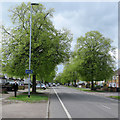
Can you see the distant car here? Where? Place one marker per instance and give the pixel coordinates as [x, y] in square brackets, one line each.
[49, 84]
[8, 86]
[42, 86]
[54, 84]
[58, 84]
[46, 85]
[38, 86]
[12, 82]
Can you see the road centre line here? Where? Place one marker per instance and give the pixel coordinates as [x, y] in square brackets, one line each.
[66, 111]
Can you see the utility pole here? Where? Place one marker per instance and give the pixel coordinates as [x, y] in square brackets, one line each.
[30, 48]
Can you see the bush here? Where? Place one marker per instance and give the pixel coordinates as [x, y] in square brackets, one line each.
[105, 88]
[118, 89]
[87, 85]
[21, 87]
[111, 89]
[98, 87]
[4, 91]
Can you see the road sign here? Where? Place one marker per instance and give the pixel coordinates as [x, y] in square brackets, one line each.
[28, 71]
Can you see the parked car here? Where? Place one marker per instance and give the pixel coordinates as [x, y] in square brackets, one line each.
[58, 84]
[38, 86]
[46, 85]
[8, 86]
[49, 84]
[54, 84]
[42, 86]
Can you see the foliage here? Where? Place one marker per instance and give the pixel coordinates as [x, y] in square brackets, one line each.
[93, 52]
[91, 60]
[50, 46]
[69, 73]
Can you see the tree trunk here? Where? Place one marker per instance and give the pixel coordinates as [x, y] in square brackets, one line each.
[92, 87]
[34, 84]
[75, 83]
[72, 83]
[68, 83]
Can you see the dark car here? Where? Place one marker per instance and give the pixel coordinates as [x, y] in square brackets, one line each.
[8, 86]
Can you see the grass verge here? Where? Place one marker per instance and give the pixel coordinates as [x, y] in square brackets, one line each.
[115, 97]
[87, 89]
[33, 97]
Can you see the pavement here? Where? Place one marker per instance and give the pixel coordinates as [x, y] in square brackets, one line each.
[19, 109]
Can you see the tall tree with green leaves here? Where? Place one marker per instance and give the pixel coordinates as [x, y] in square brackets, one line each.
[50, 46]
[69, 73]
[93, 52]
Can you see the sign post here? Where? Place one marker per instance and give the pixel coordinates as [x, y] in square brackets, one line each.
[28, 72]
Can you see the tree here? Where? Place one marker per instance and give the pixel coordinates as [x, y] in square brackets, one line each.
[50, 46]
[69, 73]
[95, 61]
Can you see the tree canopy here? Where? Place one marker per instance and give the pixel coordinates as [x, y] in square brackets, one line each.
[92, 59]
[50, 46]
[93, 50]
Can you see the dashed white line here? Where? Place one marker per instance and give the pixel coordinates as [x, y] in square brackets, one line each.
[66, 111]
[106, 107]
[1, 98]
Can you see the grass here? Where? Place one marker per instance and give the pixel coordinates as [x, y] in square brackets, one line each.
[87, 89]
[116, 97]
[82, 89]
[4, 92]
[33, 97]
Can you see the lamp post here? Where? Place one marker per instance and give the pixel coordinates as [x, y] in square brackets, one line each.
[30, 47]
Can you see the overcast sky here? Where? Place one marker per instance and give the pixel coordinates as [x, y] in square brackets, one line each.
[79, 18]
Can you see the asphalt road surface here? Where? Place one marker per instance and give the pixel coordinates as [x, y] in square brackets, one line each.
[71, 103]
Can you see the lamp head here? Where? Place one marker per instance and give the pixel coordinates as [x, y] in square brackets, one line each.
[34, 4]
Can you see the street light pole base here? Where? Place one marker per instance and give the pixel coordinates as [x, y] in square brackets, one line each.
[29, 96]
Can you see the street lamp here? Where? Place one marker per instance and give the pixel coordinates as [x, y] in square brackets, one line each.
[30, 47]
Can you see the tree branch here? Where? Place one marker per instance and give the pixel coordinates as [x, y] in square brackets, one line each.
[7, 32]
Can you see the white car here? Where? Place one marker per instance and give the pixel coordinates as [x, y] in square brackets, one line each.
[54, 84]
[42, 86]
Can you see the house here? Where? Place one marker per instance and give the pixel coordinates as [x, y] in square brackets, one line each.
[115, 82]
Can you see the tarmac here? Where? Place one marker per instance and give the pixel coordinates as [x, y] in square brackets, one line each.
[19, 109]
[105, 94]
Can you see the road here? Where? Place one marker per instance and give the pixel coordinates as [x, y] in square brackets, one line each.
[71, 103]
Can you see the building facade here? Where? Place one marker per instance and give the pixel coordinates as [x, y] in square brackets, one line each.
[115, 80]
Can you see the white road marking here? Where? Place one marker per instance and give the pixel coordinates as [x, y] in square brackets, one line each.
[106, 107]
[66, 111]
[1, 98]
[105, 97]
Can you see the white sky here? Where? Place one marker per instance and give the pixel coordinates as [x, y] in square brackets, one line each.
[78, 17]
